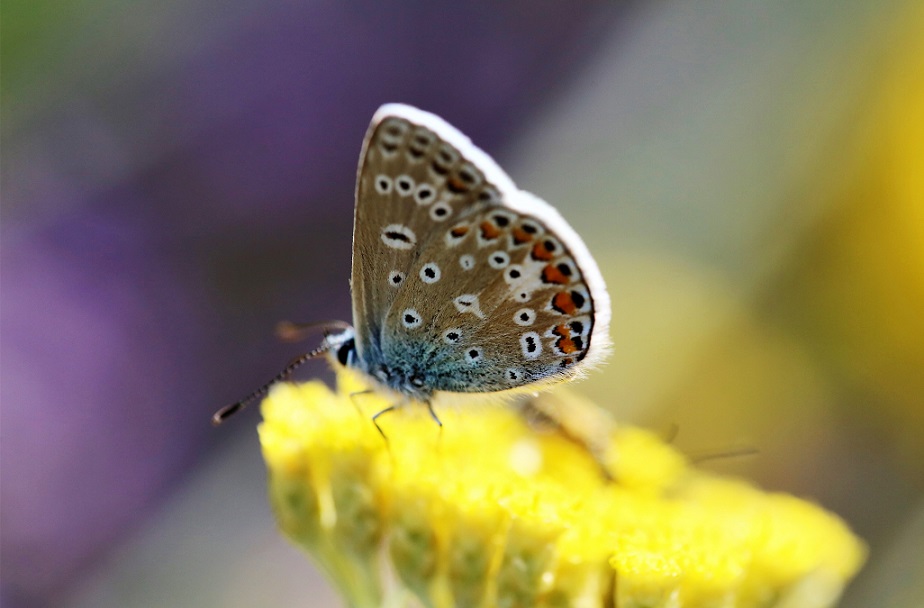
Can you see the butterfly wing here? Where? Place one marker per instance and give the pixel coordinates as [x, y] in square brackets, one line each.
[392, 219]
[460, 275]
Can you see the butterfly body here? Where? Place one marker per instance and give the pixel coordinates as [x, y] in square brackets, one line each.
[461, 282]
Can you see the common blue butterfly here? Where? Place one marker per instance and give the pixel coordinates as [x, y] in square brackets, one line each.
[461, 282]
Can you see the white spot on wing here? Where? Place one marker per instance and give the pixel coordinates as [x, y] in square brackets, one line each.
[524, 317]
[474, 355]
[411, 319]
[498, 260]
[469, 175]
[383, 184]
[398, 236]
[513, 274]
[430, 273]
[424, 194]
[440, 211]
[531, 345]
[467, 262]
[468, 302]
[451, 239]
[395, 278]
[404, 185]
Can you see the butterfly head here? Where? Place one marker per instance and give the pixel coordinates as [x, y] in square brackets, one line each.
[341, 347]
[400, 372]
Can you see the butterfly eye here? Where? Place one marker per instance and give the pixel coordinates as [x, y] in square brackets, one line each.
[417, 381]
[346, 352]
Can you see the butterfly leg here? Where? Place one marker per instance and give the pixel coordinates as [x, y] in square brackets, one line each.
[354, 401]
[375, 419]
[396, 406]
[434, 416]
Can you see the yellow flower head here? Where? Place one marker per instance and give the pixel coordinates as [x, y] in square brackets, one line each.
[492, 511]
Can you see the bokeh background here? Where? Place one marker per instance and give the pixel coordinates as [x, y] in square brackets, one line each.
[178, 176]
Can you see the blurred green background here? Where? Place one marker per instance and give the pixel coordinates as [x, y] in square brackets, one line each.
[177, 177]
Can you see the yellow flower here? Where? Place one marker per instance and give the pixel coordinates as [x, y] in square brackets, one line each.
[492, 511]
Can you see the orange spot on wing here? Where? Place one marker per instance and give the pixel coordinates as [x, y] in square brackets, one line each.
[456, 185]
[564, 343]
[520, 236]
[489, 231]
[551, 274]
[563, 303]
[541, 253]
[459, 231]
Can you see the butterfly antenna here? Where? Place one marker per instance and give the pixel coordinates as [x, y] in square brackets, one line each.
[289, 331]
[737, 452]
[229, 410]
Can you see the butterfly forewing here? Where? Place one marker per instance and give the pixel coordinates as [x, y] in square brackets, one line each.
[393, 207]
[460, 274]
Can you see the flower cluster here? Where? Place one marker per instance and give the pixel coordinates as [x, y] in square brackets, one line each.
[491, 511]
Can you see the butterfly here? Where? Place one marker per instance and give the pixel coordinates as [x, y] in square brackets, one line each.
[461, 282]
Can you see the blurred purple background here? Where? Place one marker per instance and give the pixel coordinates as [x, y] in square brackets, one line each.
[178, 177]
